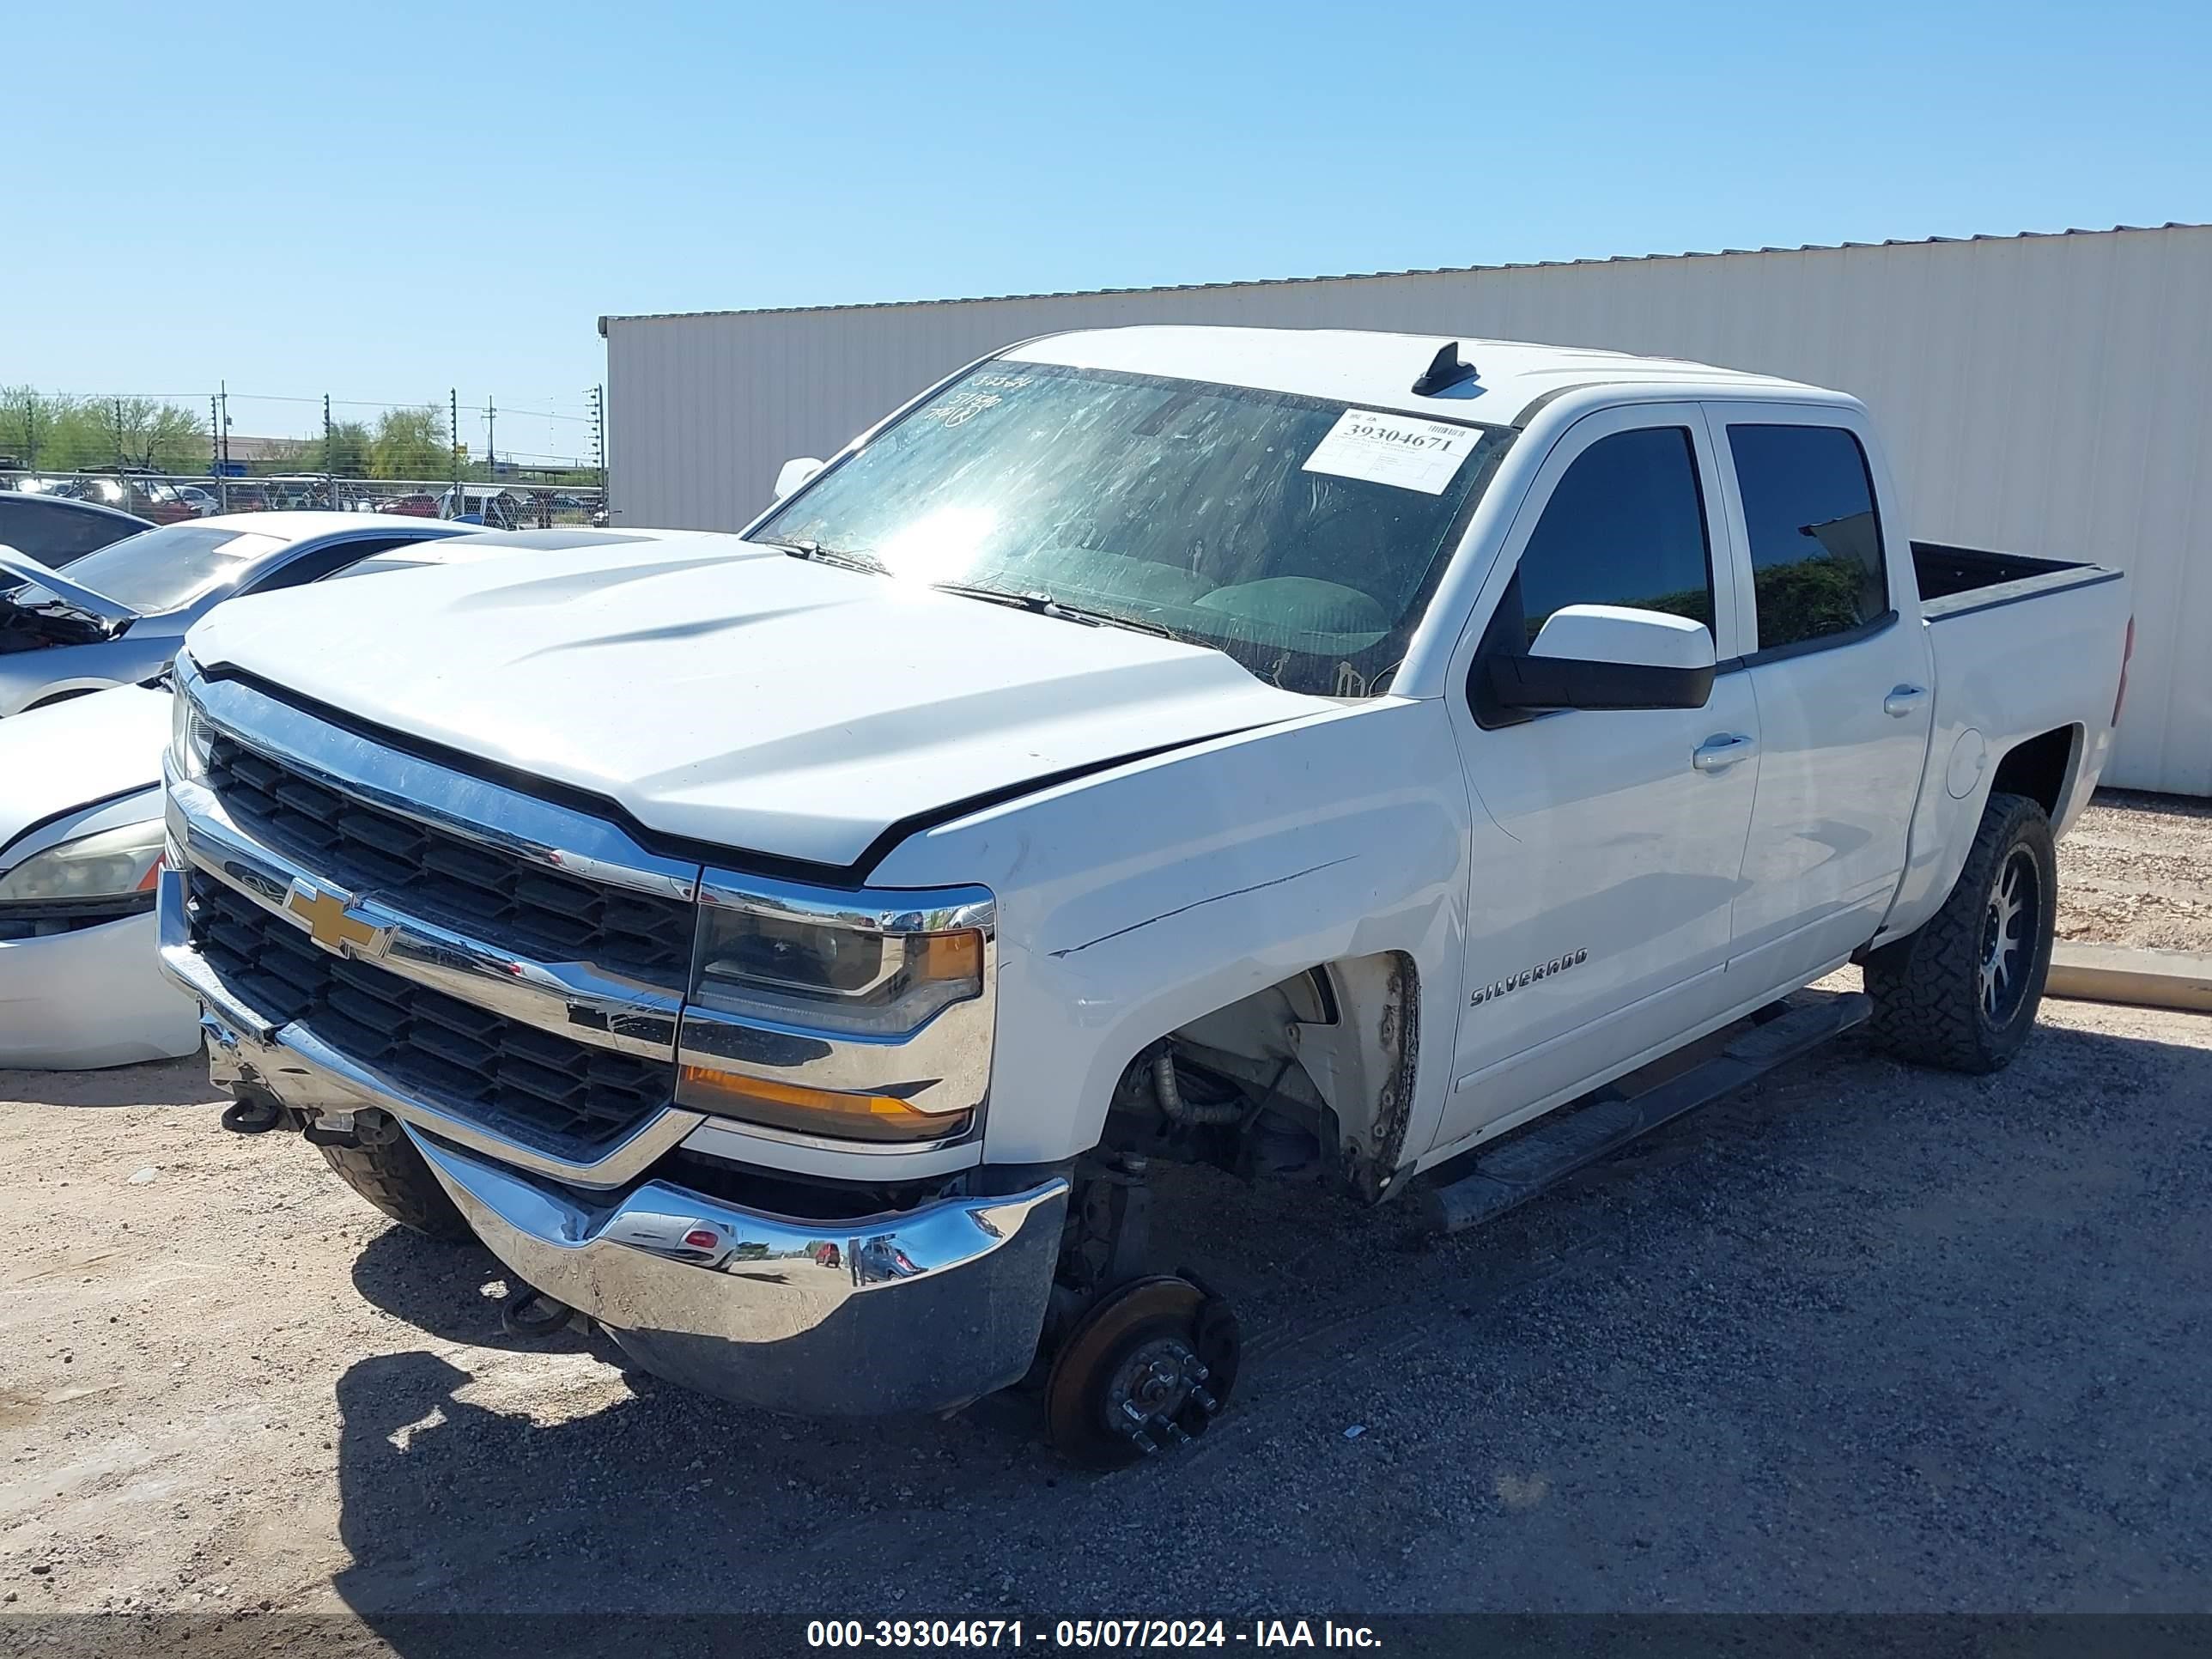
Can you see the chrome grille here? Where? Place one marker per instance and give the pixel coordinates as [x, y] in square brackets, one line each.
[564, 1096]
[466, 884]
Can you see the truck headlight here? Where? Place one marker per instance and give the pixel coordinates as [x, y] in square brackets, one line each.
[189, 734]
[798, 970]
[877, 979]
[110, 864]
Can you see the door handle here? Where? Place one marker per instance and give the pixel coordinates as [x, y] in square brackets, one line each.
[1903, 700]
[1718, 754]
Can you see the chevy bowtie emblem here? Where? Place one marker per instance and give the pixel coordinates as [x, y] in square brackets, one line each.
[331, 925]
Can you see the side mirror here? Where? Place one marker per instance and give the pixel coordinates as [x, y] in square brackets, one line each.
[1606, 656]
[796, 475]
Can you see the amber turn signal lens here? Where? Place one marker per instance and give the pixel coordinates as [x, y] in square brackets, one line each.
[813, 1111]
[956, 957]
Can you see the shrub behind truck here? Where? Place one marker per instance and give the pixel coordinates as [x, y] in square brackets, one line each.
[1338, 757]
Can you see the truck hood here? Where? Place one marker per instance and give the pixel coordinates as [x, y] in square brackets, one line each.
[734, 694]
[88, 749]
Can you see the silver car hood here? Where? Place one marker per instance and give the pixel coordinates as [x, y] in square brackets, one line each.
[78, 597]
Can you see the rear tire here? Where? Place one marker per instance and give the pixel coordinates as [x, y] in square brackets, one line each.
[394, 1178]
[1961, 993]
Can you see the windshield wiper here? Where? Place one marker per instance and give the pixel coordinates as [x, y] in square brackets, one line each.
[821, 555]
[1043, 604]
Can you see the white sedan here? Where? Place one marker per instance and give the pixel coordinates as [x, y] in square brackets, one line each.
[80, 846]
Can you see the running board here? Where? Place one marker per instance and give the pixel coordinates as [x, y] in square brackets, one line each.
[1508, 1175]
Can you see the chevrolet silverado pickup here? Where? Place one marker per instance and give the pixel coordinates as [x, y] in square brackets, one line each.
[1351, 758]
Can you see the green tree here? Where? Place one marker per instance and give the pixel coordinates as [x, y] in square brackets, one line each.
[348, 451]
[293, 455]
[166, 437]
[409, 443]
[26, 423]
[63, 433]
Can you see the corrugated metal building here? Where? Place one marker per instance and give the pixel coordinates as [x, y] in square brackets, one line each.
[2045, 394]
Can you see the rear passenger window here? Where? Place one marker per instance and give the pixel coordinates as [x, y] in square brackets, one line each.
[1816, 555]
[1626, 525]
[325, 562]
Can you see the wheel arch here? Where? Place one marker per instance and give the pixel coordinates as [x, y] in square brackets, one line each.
[2045, 766]
[2041, 767]
[1351, 1025]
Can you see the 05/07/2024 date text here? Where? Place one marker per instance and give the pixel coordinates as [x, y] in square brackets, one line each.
[1114, 1634]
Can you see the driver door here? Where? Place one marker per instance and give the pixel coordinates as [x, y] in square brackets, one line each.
[1607, 844]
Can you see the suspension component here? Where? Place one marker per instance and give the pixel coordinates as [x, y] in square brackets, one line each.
[250, 1115]
[1146, 1371]
[530, 1313]
[1168, 1087]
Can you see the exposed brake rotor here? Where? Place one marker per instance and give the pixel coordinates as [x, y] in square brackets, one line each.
[1148, 1368]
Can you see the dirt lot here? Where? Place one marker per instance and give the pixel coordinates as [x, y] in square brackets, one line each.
[1866, 1338]
[2138, 870]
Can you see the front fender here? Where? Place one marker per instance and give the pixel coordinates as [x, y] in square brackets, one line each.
[1136, 900]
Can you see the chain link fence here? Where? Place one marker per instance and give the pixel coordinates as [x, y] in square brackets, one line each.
[171, 498]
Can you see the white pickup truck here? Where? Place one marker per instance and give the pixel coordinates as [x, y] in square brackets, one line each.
[1334, 757]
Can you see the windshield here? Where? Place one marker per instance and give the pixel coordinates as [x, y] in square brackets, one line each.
[1300, 536]
[159, 570]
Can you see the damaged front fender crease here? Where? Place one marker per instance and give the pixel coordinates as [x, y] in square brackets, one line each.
[1216, 898]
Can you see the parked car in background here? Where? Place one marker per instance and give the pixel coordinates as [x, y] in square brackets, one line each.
[56, 529]
[81, 836]
[151, 499]
[420, 504]
[116, 618]
[301, 493]
[80, 843]
[497, 506]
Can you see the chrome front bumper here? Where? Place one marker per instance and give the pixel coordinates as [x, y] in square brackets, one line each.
[923, 1309]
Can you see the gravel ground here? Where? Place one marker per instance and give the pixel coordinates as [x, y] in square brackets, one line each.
[2138, 870]
[1865, 1338]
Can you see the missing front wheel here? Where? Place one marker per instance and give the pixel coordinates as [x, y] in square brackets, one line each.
[1146, 1371]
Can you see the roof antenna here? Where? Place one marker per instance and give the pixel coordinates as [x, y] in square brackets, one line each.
[1444, 372]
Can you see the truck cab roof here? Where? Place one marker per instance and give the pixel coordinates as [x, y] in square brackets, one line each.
[1380, 370]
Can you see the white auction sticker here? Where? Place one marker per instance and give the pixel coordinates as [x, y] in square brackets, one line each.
[1402, 450]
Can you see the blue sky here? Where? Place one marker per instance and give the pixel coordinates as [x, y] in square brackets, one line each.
[387, 200]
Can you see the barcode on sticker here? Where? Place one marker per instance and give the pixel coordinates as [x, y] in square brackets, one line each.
[1400, 450]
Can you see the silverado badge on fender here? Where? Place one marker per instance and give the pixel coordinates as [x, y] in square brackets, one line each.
[1558, 964]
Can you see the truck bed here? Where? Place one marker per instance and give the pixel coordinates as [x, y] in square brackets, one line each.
[1956, 581]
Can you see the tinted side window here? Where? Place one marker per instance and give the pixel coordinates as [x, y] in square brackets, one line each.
[82, 533]
[325, 562]
[1624, 525]
[55, 531]
[1816, 556]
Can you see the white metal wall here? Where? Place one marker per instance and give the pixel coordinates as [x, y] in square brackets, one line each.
[2044, 394]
